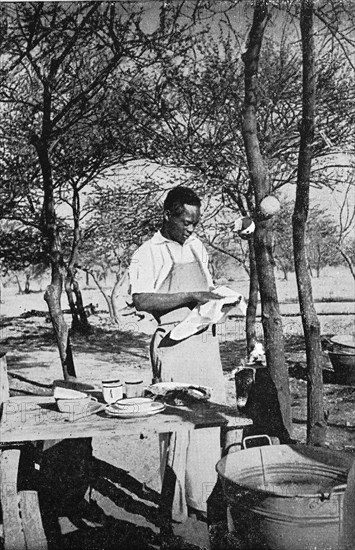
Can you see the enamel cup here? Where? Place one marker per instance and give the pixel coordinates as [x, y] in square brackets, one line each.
[112, 390]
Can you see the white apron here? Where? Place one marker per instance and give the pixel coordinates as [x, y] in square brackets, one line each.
[195, 360]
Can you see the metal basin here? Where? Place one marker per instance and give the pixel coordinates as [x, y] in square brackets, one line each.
[344, 367]
[286, 497]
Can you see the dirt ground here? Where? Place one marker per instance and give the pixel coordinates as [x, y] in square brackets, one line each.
[122, 512]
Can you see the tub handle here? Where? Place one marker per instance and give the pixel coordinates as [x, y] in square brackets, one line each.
[251, 437]
[337, 489]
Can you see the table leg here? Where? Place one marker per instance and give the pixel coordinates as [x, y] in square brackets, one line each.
[14, 538]
[35, 537]
[167, 489]
[22, 522]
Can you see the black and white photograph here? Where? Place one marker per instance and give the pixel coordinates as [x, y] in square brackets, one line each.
[177, 275]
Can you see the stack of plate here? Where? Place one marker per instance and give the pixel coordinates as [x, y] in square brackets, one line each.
[134, 407]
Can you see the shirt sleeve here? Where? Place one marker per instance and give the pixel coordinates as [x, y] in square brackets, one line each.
[141, 271]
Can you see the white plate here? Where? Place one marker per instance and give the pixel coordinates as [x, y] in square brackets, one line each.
[135, 410]
[133, 403]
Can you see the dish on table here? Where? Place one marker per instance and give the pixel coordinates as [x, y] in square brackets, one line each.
[134, 407]
[192, 391]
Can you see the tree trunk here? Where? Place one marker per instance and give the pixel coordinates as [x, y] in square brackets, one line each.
[75, 323]
[79, 318]
[18, 284]
[250, 322]
[107, 298]
[277, 402]
[84, 325]
[347, 260]
[316, 426]
[54, 249]
[27, 283]
[53, 298]
[121, 280]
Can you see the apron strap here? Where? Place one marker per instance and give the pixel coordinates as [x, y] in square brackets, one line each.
[154, 357]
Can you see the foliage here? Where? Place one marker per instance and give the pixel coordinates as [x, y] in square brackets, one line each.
[322, 237]
[20, 248]
[120, 219]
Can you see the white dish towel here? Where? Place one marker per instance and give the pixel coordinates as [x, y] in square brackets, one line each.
[210, 313]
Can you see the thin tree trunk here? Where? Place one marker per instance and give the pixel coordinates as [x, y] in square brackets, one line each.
[53, 298]
[120, 281]
[250, 322]
[316, 426]
[114, 294]
[27, 283]
[18, 284]
[107, 298]
[84, 323]
[51, 232]
[277, 402]
[80, 321]
[348, 261]
[71, 301]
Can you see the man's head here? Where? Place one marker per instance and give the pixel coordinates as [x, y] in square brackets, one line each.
[181, 214]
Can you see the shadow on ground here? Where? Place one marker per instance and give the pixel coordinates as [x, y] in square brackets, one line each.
[72, 484]
[27, 336]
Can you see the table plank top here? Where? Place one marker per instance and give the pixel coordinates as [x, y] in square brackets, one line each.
[35, 418]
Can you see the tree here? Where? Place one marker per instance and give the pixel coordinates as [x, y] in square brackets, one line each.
[271, 317]
[197, 112]
[321, 239]
[52, 87]
[282, 227]
[55, 102]
[120, 219]
[345, 245]
[316, 426]
[21, 249]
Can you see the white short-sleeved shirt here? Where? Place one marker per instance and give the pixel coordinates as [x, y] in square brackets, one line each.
[152, 262]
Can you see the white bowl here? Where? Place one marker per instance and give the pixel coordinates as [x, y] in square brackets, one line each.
[74, 405]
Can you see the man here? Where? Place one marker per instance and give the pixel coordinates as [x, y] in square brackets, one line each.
[169, 276]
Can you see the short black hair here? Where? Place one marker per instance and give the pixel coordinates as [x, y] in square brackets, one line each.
[178, 197]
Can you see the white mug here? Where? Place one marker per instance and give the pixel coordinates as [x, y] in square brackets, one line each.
[112, 390]
[134, 387]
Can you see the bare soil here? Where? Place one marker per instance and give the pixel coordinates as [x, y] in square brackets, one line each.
[122, 512]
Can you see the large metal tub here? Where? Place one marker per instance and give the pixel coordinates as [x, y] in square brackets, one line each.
[286, 497]
[344, 367]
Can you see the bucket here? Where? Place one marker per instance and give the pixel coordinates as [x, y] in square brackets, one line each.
[344, 367]
[343, 343]
[285, 497]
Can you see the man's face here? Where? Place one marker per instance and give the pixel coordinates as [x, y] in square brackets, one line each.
[179, 228]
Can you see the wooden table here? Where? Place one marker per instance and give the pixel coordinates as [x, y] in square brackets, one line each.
[26, 419]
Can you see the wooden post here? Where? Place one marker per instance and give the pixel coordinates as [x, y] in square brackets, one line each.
[4, 381]
[14, 538]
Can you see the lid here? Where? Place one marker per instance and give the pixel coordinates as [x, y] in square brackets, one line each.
[347, 340]
[112, 382]
[136, 381]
